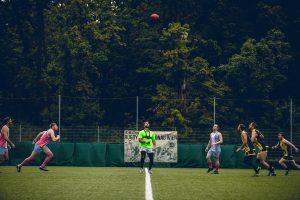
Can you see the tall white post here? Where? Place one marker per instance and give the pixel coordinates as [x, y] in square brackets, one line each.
[214, 110]
[20, 133]
[291, 122]
[59, 112]
[137, 113]
[98, 134]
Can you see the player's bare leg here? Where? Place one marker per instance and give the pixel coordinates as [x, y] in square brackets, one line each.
[295, 164]
[49, 154]
[262, 159]
[284, 166]
[217, 165]
[27, 160]
[210, 164]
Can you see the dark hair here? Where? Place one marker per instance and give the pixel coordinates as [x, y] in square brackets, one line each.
[4, 121]
[253, 124]
[242, 127]
[281, 133]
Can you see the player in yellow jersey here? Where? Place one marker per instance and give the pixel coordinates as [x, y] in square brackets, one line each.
[284, 145]
[248, 148]
[258, 139]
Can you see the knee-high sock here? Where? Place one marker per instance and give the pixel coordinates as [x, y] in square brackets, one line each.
[28, 159]
[151, 157]
[47, 159]
[143, 155]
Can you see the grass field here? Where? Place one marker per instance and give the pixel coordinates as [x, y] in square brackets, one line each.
[125, 183]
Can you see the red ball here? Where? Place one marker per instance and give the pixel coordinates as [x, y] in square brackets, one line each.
[154, 16]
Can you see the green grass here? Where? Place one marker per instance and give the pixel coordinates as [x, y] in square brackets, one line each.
[125, 183]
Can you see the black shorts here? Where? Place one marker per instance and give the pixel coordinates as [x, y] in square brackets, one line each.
[289, 158]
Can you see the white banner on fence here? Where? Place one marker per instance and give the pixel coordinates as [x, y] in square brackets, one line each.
[165, 151]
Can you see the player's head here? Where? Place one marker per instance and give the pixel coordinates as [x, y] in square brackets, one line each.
[280, 136]
[6, 121]
[53, 126]
[241, 127]
[252, 126]
[146, 124]
[215, 127]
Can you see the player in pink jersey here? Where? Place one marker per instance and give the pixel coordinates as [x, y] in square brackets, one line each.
[41, 141]
[4, 139]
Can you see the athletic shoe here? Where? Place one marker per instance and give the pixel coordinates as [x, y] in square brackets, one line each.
[271, 173]
[209, 170]
[287, 172]
[141, 171]
[257, 171]
[18, 168]
[215, 172]
[150, 171]
[43, 169]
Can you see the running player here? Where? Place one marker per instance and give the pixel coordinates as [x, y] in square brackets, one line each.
[248, 148]
[213, 149]
[147, 142]
[283, 144]
[258, 139]
[4, 139]
[41, 141]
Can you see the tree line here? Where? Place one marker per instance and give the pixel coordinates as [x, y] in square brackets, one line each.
[236, 51]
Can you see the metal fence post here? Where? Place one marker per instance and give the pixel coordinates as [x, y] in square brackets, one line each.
[291, 122]
[20, 133]
[214, 110]
[59, 112]
[137, 113]
[98, 134]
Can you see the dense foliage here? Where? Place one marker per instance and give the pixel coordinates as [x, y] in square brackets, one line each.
[91, 50]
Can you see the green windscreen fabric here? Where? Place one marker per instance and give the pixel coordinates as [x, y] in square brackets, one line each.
[97, 154]
[190, 155]
[228, 156]
[63, 153]
[240, 160]
[115, 155]
[89, 154]
[22, 151]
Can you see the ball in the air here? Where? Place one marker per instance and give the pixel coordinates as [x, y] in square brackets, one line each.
[154, 16]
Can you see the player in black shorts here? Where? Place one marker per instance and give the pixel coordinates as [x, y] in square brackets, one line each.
[248, 148]
[258, 139]
[283, 144]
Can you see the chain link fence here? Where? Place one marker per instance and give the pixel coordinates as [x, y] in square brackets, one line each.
[105, 119]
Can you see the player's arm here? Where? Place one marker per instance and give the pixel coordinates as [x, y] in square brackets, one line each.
[53, 137]
[220, 139]
[153, 138]
[276, 146]
[5, 135]
[38, 137]
[207, 146]
[141, 139]
[290, 144]
[244, 141]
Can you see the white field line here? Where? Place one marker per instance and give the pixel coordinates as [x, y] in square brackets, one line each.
[148, 187]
